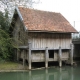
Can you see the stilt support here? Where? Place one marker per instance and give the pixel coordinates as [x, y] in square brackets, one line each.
[23, 58]
[46, 57]
[60, 56]
[29, 56]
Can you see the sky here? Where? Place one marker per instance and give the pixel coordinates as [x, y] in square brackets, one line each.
[70, 9]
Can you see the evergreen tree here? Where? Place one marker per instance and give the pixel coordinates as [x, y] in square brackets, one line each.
[5, 40]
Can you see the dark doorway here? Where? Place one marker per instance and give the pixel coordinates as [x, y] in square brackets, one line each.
[51, 53]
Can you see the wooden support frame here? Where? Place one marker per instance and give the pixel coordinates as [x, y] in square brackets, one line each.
[46, 57]
[29, 56]
[60, 57]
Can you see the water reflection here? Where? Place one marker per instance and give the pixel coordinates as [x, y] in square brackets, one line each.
[67, 73]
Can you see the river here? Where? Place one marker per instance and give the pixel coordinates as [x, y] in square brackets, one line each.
[55, 73]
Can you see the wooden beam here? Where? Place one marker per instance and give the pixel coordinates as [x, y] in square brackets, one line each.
[49, 49]
[46, 57]
[29, 56]
[23, 47]
[60, 56]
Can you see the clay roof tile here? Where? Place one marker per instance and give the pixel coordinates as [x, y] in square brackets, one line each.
[45, 21]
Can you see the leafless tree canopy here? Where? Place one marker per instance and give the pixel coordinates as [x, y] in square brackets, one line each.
[9, 5]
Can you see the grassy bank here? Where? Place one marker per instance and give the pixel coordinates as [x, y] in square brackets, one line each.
[11, 66]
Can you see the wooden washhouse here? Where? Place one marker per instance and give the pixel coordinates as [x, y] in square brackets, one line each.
[41, 36]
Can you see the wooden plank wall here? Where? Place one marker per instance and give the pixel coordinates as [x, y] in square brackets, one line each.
[38, 56]
[50, 40]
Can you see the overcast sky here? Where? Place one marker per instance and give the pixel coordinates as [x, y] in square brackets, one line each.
[70, 9]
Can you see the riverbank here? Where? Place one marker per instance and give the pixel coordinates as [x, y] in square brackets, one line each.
[18, 67]
[11, 66]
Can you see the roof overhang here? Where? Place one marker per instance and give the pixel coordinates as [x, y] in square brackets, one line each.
[21, 18]
[49, 31]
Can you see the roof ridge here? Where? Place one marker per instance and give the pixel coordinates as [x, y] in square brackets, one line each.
[38, 10]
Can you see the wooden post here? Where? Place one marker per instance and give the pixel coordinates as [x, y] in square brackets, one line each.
[23, 58]
[46, 57]
[60, 56]
[71, 54]
[29, 56]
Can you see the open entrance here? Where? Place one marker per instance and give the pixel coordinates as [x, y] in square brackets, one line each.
[51, 53]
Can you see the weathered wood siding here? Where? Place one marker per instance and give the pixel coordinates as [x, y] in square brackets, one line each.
[65, 54]
[39, 56]
[50, 40]
[19, 34]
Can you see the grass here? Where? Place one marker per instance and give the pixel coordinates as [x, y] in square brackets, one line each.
[11, 66]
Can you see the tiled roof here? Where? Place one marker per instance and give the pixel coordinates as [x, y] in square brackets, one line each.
[36, 20]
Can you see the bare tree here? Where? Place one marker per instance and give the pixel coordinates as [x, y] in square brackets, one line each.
[10, 5]
[13, 3]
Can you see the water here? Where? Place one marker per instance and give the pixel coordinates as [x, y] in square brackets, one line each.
[64, 73]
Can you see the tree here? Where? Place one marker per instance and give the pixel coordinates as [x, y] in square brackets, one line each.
[5, 40]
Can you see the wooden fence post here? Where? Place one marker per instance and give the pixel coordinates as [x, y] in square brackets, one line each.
[46, 57]
[60, 56]
[29, 56]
